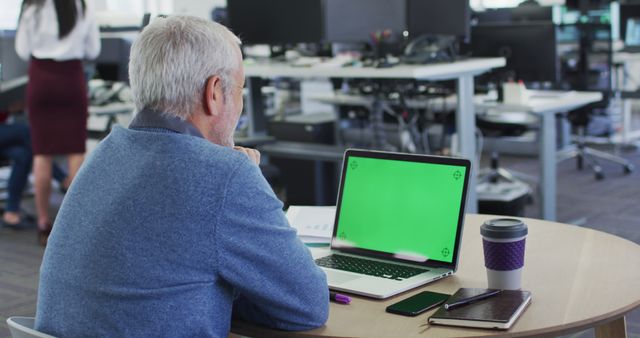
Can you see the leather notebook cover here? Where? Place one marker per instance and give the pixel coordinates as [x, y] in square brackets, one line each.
[498, 312]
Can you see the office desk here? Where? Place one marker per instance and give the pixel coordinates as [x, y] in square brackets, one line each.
[462, 71]
[102, 118]
[304, 151]
[546, 105]
[543, 104]
[112, 109]
[580, 278]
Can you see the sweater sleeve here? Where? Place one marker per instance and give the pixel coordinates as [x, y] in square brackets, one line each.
[273, 274]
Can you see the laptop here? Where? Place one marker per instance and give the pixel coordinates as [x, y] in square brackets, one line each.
[632, 36]
[398, 222]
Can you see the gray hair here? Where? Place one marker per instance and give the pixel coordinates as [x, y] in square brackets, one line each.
[172, 59]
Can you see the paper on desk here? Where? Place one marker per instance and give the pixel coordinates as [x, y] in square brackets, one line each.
[314, 224]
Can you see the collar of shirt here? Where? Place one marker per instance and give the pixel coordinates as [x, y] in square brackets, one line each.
[151, 119]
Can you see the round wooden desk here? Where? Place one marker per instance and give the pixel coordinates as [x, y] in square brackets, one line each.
[579, 278]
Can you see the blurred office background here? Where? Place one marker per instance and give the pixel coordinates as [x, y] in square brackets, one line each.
[560, 45]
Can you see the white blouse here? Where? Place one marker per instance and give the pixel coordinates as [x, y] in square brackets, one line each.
[37, 34]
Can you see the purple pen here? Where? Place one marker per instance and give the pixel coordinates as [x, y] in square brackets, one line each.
[338, 298]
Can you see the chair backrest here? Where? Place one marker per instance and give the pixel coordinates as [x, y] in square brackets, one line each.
[22, 327]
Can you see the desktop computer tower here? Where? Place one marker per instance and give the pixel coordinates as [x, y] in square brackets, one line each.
[306, 182]
[113, 62]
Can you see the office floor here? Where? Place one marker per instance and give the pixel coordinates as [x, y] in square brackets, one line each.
[610, 205]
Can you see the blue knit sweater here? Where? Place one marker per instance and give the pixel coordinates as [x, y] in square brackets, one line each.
[162, 233]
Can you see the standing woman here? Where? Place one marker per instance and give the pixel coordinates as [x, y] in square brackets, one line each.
[55, 36]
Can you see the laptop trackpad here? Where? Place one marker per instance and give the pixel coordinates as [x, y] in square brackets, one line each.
[337, 277]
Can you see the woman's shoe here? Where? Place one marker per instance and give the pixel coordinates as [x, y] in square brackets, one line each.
[63, 186]
[43, 234]
[21, 225]
[17, 221]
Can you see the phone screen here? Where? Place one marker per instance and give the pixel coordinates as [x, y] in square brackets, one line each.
[419, 303]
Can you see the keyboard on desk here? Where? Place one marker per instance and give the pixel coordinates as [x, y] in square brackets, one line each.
[369, 267]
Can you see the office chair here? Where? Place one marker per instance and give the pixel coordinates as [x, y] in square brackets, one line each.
[498, 124]
[22, 327]
[4, 162]
[590, 69]
[580, 119]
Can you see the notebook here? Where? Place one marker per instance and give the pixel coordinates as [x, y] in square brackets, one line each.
[398, 222]
[498, 312]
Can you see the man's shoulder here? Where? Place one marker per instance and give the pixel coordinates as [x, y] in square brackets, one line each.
[168, 141]
[171, 147]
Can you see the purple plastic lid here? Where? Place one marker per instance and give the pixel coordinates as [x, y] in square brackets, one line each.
[503, 228]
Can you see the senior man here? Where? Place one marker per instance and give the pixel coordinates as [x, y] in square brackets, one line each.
[168, 228]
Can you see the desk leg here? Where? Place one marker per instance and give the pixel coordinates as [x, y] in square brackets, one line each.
[626, 121]
[319, 183]
[466, 127]
[624, 104]
[614, 329]
[254, 107]
[547, 154]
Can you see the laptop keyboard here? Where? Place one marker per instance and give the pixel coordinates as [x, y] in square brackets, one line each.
[369, 267]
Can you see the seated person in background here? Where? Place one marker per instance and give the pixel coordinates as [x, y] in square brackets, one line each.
[15, 146]
[168, 228]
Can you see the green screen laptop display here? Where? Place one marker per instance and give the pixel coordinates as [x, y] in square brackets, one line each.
[409, 209]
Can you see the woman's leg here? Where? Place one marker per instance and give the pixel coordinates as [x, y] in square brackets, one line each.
[60, 176]
[75, 161]
[42, 168]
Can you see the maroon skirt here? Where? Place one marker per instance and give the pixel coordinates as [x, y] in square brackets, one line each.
[57, 107]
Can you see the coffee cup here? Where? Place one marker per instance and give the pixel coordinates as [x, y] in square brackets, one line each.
[503, 241]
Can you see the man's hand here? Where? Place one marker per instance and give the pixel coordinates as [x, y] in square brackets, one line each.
[253, 154]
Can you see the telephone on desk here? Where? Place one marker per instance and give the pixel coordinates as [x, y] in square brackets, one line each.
[105, 92]
[430, 49]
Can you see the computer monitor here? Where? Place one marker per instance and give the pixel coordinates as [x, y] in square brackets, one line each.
[530, 48]
[13, 71]
[438, 17]
[532, 13]
[492, 15]
[354, 20]
[13, 66]
[113, 62]
[632, 36]
[568, 34]
[219, 15]
[146, 18]
[585, 5]
[627, 11]
[514, 14]
[586, 59]
[276, 21]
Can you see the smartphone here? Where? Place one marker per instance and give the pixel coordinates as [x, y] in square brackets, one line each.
[418, 303]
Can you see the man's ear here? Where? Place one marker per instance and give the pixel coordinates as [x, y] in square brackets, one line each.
[213, 95]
